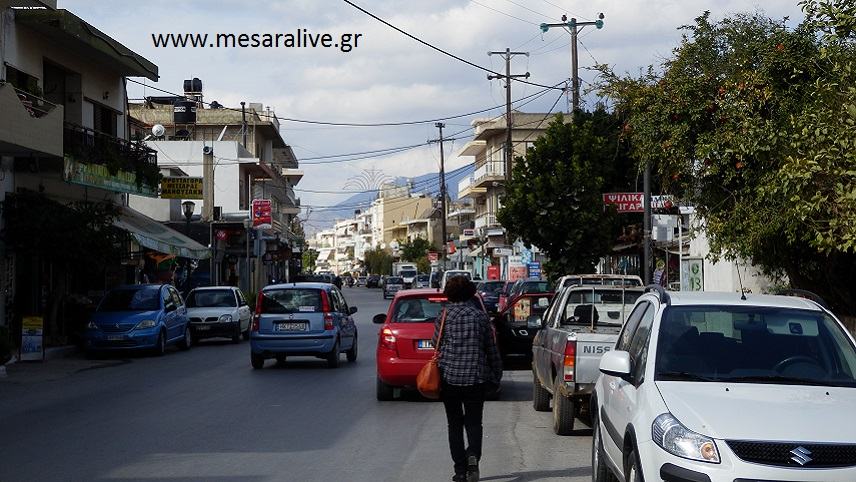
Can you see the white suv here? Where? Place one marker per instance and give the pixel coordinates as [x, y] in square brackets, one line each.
[708, 387]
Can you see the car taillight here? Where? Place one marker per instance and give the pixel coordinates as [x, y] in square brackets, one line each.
[325, 307]
[387, 339]
[258, 314]
[570, 360]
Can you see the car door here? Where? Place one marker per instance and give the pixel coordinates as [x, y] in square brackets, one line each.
[620, 395]
[170, 310]
[180, 311]
[244, 314]
[541, 345]
[347, 324]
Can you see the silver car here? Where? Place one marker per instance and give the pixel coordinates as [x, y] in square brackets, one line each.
[218, 311]
[392, 285]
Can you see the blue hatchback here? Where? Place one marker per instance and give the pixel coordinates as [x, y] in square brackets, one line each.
[302, 319]
[139, 317]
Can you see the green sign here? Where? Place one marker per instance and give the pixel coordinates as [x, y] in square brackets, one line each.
[97, 175]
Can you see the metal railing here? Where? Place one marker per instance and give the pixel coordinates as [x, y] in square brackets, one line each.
[90, 146]
[35, 105]
[485, 220]
[465, 183]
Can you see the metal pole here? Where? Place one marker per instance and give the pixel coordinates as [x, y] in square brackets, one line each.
[509, 149]
[646, 231]
[247, 284]
[244, 124]
[208, 185]
[440, 126]
[575, 67]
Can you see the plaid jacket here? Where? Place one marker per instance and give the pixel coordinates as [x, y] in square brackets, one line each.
[468, 351]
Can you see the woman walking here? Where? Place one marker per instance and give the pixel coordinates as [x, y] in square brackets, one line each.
[470, 365]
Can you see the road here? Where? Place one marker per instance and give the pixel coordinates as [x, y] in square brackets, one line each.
[206, 415]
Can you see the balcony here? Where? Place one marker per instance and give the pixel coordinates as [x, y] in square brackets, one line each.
[29, 124]
[99, 160]
[489, 173]
[486, 221]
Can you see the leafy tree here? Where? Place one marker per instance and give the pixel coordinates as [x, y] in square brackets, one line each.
[423, 264]
[378, 261]
[753, 123]
[413, 250]
[309, 258]
[554, 199]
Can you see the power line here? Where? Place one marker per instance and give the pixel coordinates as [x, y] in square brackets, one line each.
[420, 184]
[529, 9]
[501, 12]
[438, 49]
[565, 10]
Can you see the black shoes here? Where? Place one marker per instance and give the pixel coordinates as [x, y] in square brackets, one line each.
[472, 469]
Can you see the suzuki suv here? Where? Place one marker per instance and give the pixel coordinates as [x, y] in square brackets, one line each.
[721, 387]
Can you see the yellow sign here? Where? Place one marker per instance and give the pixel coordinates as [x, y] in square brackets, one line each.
[181, 188]
[32, 323]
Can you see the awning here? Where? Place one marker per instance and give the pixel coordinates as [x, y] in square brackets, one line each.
[324, 254]
[156, 236]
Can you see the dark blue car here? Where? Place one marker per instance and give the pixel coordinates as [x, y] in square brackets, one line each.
[302, 319]
[139, 317]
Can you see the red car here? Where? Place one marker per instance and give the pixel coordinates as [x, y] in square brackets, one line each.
[404, 341]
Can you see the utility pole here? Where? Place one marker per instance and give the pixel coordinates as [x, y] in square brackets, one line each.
[244, 124]
[646, 228]
[440, 126]
[208, 184]
[574, 27]
[509, 122]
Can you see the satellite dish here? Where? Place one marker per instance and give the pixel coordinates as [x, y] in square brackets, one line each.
[158, 130]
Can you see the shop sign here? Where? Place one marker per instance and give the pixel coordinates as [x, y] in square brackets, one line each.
[535, 269]
[181, 187]
[493, 272]
[32, 336]
[97, 175]
[262, 213]
[502, 252]
[433, 256]
[625, 202]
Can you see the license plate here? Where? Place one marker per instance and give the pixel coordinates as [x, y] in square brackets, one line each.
[290, 326]
[425, 344]
[202, 328]
[115, 337]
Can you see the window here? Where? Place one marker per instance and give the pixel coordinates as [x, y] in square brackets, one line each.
[211, 299]
[339, 305]
[176, 298]
[626, 335]
[104, 120]
[599, 305]
[417, 310]
[166, 297]
[241, 300]
[639, 345]
[299, 300]
[133, 299]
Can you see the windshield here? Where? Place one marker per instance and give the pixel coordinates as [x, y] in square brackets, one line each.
[393, 280]
[131, 299]
[535, 287]
[211, 299]
[600, 306]
[422, 278]
[292, 300]
[417, 310]
[754, 345]
[407, 273]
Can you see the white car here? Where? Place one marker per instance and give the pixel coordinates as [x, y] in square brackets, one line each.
[717, 387]
[218, 311]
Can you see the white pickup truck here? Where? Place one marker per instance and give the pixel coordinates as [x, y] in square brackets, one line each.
[581, 324]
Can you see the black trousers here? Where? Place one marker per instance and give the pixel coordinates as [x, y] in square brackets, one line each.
[464, 407]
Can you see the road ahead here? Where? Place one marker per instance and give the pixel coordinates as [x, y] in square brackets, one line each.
[206, 415]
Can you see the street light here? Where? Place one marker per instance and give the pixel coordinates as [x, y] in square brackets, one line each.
[188, 207]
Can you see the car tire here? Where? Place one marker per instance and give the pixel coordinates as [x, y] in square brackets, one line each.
[257, 361]
[540, 395]
[187, 340]
[633, 469]
[160, 346]
[236, 337]
[385, 393]
[334, 356]
[351, 354]
[563, 411]
[600, 471]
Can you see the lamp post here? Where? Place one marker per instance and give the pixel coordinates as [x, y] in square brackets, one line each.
[248, 224]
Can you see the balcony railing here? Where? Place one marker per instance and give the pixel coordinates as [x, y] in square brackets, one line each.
[465, 183]
[36, 106]
[486, 220]
[490, 171]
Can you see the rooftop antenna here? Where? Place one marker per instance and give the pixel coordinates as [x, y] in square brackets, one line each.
[740, 280]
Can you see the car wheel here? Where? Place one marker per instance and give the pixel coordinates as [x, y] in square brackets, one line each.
[633, 467]
[257, 361]
[187, 340]
[600, 472]
[352, 353]
[160, 346]
[333, 357]
[563, 411]
[385, 393]
[236, 337]
[540, 395]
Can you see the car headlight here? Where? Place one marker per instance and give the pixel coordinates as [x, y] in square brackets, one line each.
[673, 437]
[92, 325]
[147, 324]
[225, 319]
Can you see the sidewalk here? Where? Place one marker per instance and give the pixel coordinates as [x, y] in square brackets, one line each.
[60, 362]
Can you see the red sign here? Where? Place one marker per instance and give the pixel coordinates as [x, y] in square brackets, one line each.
[626, 202]
[493, 272]
[433, 256]
[262, 213]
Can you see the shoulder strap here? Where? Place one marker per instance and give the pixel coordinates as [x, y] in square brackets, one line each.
[440, 333]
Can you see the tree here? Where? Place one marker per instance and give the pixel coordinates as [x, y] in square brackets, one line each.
[753, 123]
[378, 261]
[309, 257]
[413, 250]
[554, 199]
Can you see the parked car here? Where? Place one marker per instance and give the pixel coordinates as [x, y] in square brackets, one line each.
[373, 281]
[515, 326]
[489, 291]
[422, 281]
[139, 317]
[218, 311]
[391, 286]
[361, 281]
[582, 324]
[450, 273]
[724, 387]
[405, 339]
[302, 319]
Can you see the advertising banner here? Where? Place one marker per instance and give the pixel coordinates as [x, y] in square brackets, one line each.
[181, 188]
[535, 269]
[32, 334]
[493, 272]
[262, 213]
[625, 202]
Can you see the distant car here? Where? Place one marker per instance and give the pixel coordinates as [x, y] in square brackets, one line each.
[434, 279]
[391, 286]
[373, 281]
[489, 291]
[422, 281]
[218, 311]
[139, 317]
[361, 281]
[449, 274]
[302, 319]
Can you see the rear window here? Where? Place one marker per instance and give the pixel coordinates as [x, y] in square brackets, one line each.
[292, 300]
[535, 287]
[211, 299]
[492, 288]
[394, 280]
[417, 310]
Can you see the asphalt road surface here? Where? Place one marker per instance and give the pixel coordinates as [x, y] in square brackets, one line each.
[206, 415]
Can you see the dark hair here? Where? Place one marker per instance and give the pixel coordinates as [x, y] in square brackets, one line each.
[459, 289]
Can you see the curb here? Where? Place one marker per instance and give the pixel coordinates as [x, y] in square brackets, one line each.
[51, 353]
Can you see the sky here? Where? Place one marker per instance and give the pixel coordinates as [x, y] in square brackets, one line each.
[390, 77]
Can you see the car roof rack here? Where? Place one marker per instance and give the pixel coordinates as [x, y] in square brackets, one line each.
[661, 293]
[803, 294]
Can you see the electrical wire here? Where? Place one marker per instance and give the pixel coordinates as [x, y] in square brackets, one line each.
[529, 9]
[503, 13]
[418, 184]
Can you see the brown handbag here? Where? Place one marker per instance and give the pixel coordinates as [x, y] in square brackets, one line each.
[428, 379]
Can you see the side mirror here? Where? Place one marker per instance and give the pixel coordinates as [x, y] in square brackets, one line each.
[352, 310]
[170, 307]
[379, 319]
[534, 321]
[615, 364]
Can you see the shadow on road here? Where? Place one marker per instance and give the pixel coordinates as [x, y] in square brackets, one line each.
[533, 475]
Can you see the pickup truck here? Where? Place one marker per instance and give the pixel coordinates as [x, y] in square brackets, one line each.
[580, 325]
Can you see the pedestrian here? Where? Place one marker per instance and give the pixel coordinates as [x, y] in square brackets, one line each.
[470, 367]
